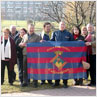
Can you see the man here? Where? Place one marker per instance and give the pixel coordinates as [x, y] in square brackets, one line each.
[14, 33]
[30, 37]
[61, 35]
[46, 35]
[91, 44]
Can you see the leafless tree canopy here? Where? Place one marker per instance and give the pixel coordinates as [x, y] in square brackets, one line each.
[74, 13]
[55, 10]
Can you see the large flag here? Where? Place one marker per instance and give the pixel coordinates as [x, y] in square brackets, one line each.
[56, 60]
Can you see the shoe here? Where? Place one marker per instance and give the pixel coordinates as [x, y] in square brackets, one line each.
[76, 83]
[65, 86]
[24, 84]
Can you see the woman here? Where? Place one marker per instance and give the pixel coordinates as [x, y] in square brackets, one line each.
[23, 31]
[8, 55]
[84, 32]
[77, 34]
[78, 37]
[91, 45]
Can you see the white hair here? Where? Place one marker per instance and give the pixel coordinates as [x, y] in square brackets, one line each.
[12, 27]
[90, 25]
[61, 22]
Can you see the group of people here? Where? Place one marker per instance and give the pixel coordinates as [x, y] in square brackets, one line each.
[14, 44]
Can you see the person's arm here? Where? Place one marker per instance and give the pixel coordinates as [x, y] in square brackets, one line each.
[22, 45]
[93, 44]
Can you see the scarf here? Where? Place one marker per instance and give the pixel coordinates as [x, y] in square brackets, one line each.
[5, 51]
[46, 33]
[76, 36]
[89, 39]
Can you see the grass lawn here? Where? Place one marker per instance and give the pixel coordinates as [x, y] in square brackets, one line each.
[23, 24]
[6, 88]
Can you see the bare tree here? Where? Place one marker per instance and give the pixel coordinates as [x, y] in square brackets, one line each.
[55, 10]
[80, 12]
[92, 15]
[74, 13]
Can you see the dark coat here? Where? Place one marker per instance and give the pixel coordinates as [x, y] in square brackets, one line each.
[46, 37]
[15, 37]
[80, 38]
[18, 48]
[62, 36]
[13, 59]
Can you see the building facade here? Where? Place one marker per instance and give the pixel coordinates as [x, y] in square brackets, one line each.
[23, 10]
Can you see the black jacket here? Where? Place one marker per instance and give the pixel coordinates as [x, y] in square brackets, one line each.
[18, 49]
[80, 38]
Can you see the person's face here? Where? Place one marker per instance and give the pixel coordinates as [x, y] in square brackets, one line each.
[6, 34]
[84, 31]
[31, 29]
[76, 31]
[22, 33]
[90, 28]
[13, 30]
[62, 26]
[47, 28]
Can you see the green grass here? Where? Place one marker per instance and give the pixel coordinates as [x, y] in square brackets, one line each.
[6, 88]
[8, 23]
[23, 24]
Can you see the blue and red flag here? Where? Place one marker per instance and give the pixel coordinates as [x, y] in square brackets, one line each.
[56, 60]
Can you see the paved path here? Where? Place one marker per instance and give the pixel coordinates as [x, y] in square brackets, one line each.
[71, 91]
